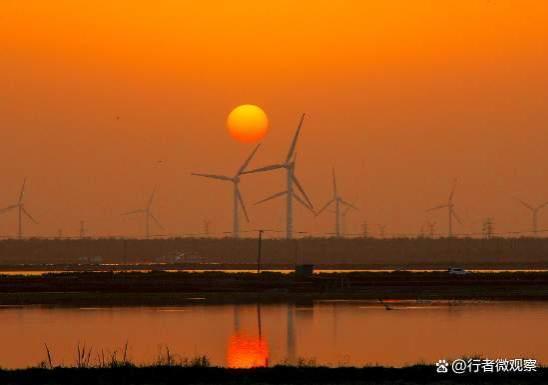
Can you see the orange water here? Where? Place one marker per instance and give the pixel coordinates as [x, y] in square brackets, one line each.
[329, 332]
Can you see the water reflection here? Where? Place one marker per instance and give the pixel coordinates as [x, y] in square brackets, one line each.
[329, 332]
[247, 351]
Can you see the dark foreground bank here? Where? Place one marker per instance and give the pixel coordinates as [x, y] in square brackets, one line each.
[418, 374]
[179, 288]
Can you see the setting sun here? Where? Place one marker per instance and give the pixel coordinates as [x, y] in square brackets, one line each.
[247, 352]
[247, 123]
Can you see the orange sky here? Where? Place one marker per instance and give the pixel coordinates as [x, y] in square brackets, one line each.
[402, 97]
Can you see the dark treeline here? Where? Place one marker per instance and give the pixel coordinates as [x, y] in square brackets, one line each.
[397, 252]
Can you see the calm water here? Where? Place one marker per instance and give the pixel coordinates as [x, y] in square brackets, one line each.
[331, 332]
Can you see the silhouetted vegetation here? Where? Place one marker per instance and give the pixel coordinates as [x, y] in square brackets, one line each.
[175, 288]
[372, 252]
[191, 374]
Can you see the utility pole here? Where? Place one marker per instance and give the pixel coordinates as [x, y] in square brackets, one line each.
[124, 244]
[82, 230]
[259, 250]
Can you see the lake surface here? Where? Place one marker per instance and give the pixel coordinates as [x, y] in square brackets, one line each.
[329, 332]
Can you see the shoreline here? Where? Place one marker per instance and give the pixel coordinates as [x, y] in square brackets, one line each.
[250, 267]
[181, 288]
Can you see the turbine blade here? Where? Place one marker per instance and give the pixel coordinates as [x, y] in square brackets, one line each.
[266, 168]
[151, 197]
[325, 206]
[134, 212]
[5, 209]
[28, 215]
[525, 204]
[22, 193]
[542, 205]
[302, 202]
[221, 177]
[349, 205]
[294, 142]
[454, 214]
[453, 190]
[242, 204]
[272, 197]
[246, 163]
[437, 207]
[334, 183]
[156, 221]
[300, 187]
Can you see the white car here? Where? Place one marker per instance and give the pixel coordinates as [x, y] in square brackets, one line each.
[457, 271]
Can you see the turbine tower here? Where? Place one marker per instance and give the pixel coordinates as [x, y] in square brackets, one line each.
[237, 195]
[344, 230]
[450, 210]
[292, 181]
[147, 211]
[20, 206]
[338, 201]
[534, 212]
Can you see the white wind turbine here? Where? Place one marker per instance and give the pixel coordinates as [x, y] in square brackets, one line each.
[450, 210]
[147, 211]
[292, 181]
[237, 195]
[339, 201]
[20, 206]
[534, 212]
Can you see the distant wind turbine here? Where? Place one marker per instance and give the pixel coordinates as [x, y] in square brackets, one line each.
[20, 206]
[343, 220]
[534, 212]
[450, 210]
[147, 211]
[237, 195]
[292, 181]
[338, 201]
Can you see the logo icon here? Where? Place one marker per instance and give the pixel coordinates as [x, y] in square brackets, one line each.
[441, 366]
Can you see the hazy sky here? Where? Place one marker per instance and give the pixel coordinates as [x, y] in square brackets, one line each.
[402, 97]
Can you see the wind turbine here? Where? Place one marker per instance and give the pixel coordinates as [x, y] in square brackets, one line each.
[292, 181]
[20, 206]
[237, 195]
[534, 211]
[450, 210]
[339, 201]
[343, 220]
[147, 211]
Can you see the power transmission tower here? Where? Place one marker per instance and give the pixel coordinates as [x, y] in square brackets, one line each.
[364, 230]
[488, 228]
[382, 229]
[431, 229]
[421, 232]
[82, 229]
[207, 223]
